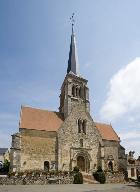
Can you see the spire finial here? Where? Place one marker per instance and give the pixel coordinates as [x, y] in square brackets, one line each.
[72, 21]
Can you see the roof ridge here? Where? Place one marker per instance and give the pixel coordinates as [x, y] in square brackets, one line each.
[103, 123]
[38, 109]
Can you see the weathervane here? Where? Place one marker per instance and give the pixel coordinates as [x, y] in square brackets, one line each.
[72, 20]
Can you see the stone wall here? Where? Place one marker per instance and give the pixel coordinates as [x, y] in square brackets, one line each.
[122, 159]
[69, 140]
[36, 180]
[67, 99]
[111, 154]
[43, 179]
[36, 147]
[115, 177]
[15, 152]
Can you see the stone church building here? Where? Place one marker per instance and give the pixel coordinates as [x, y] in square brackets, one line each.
[50, 140]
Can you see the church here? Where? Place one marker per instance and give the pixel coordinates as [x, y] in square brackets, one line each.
[61, 140]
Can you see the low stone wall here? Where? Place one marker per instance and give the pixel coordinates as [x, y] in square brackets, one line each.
[60, 178]
[37, 180]
[116, 177]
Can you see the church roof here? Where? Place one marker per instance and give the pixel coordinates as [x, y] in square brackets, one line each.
[107, 132]
[38, 119]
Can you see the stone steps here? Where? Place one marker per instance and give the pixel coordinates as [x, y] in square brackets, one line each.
[88, 179]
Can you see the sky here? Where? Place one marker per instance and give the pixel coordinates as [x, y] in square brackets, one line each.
[34, 48]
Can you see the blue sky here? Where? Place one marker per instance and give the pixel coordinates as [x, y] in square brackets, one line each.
[34, 47]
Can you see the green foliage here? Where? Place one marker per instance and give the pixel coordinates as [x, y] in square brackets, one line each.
[99, 175]
[10, 173]
[99, 169]
[6, 165]
[78, 177]
[125, 175]
[76, 169]
[65, 172]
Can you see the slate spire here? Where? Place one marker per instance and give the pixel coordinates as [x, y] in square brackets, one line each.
[73, 65]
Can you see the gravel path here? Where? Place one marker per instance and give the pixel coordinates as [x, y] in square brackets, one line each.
[71, 188]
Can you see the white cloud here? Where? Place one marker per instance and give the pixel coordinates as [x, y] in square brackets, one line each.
[124, 92]
[131, 141]
[132, 145]
[130, 135]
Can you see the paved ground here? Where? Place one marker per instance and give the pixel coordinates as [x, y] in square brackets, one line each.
[71, 188]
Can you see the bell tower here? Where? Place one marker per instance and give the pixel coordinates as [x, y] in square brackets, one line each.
[74, 89]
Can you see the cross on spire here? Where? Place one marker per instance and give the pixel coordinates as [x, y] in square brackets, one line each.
[72, 21]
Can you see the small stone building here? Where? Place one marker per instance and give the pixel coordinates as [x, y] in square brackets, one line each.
[133, 166]
[49, 140]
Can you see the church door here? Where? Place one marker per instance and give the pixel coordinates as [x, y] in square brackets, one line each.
[81, 163]
[46, 166]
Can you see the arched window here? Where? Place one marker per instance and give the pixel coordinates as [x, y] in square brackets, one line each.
[79, 125]
[73, 91]
[84, 126]
[81, 142]
[77, 94]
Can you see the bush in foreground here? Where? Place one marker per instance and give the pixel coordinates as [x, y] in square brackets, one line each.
[78, 177]
[6, 165]
[99, 175]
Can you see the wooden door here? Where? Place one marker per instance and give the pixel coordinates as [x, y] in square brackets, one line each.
[81, 163]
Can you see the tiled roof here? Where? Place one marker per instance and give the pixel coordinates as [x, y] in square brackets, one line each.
[39, 119]
[3, 150]
[107, 132]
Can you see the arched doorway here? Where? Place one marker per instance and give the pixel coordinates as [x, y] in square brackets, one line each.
[110, 166]
[46, 165]
[81, 163]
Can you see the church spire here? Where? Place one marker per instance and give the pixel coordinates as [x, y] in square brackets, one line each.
[73, 65]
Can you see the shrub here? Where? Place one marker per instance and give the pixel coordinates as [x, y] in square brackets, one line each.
[125, 175]
[78, 177]
[65, 173]
[6, 165]
[10, 173]
[139, 178]
[20, 174]
[99, 175]
[76, 169]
